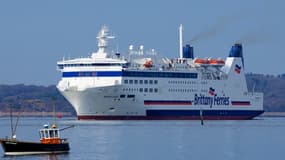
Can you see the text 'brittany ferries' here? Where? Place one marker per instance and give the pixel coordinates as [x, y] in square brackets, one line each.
[213, 100]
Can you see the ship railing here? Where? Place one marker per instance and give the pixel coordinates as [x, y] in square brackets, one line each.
[64, 140]
[7, 138]
[254, 94]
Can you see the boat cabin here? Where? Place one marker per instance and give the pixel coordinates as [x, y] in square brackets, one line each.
[50, 135]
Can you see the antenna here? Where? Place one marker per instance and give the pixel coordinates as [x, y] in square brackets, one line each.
[103, 37]
[11, 122]
[180, 41]
[54, 118]
[15, 128]
[117, 48]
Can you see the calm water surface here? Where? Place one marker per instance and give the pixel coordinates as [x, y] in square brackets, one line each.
[260, 139]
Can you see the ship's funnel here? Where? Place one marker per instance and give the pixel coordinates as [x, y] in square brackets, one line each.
[236, 51]
[188, 51]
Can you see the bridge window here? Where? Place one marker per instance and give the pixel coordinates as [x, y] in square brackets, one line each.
[89, 64]
[60, 66]
[46, 134]
[56, 134]
[51, 133]
[42, 134]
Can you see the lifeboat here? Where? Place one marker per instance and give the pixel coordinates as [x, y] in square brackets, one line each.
[148, 64]
[217, 62]
[202, 61]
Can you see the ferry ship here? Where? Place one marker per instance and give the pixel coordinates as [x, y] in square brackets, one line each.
[140, 86]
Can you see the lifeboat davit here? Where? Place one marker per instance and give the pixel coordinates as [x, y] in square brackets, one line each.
[148, 64]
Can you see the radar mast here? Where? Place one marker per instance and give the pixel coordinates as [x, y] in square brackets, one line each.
[103, 37]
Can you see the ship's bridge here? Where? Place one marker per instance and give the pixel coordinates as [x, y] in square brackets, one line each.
[89, 63]
[99, 60]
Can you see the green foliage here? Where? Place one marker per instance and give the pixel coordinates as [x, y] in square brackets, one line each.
[273, 88]
[30, 98]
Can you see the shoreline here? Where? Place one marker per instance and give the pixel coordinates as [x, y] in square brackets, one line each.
[36, 114]
[273, 114]
[69, 114]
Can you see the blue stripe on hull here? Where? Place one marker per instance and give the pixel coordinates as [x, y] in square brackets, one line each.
[180, 115]
[206, 113]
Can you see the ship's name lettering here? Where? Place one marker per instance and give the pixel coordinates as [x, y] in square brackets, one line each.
[211, 100]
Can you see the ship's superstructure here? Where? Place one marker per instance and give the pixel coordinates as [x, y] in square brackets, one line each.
[141, 86]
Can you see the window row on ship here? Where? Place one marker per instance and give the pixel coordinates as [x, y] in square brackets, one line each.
[61, 66]
[182, 90]
[155, 90]
[182, 82]
[145, 90]
[136, 81]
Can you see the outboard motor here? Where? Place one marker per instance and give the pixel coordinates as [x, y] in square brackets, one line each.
[236, 51]
[188, 51]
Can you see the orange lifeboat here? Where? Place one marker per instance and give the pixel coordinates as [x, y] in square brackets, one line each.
[148, 64]
[201, 61]
[217, 62]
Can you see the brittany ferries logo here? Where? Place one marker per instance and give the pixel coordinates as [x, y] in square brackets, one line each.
[237, 69]
[211, 91]
[211, 100]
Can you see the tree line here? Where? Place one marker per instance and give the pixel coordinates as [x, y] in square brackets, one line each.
[31, 98]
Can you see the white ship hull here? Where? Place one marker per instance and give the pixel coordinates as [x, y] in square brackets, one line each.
[92, 104]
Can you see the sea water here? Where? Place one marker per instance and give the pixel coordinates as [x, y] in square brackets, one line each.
[260, 139]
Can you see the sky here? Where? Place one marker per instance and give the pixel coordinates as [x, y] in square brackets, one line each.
[35, 34]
